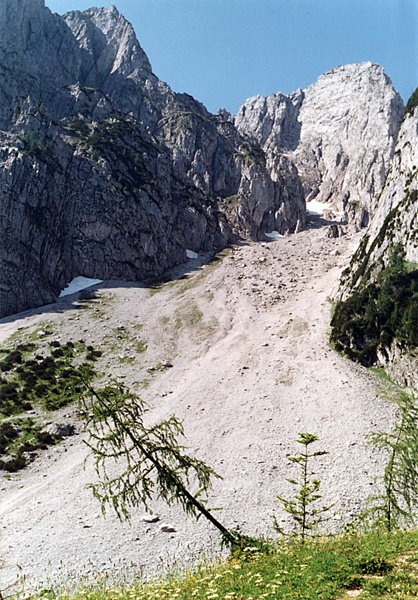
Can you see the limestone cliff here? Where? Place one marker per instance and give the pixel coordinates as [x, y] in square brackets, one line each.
[376, 316]
[339, 132]
[396, 219]
[104, 170]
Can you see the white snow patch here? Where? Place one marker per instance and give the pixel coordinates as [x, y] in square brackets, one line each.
[77, 284]
[274, 235]
[317, 208]
[191, 254]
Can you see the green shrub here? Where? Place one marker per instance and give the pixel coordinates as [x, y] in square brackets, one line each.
[378, 313]
[372, 564]
[17, 439]
[412, 103]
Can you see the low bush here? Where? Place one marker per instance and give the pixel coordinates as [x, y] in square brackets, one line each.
[379, 313]
[47, 378]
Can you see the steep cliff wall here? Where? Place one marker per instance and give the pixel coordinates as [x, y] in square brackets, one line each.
[377, 314]
[395, 221]
[339, 132]
[104, 171]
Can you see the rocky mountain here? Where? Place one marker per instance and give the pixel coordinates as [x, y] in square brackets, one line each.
[377, 310]
[339, 132]
[106, 172]
[395, 220]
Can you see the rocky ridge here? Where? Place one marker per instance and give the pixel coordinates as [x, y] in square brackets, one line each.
[339, 132]
[106, 172]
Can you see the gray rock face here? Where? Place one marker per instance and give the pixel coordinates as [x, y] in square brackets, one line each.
[394, 223]
[340, 133]
[107, 173]
[396, 217]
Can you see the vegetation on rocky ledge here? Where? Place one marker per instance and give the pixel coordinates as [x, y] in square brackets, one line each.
[412, 103]
[378, 313]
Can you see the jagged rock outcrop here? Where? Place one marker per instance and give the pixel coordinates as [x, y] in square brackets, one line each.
[377, 310]
[339, 132]
[396, 218]
[106, 172]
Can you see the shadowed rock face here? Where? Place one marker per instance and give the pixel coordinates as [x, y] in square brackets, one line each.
[340, 133]
[106, 172]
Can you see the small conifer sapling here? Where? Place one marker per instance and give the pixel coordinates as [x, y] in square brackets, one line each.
[303, 508]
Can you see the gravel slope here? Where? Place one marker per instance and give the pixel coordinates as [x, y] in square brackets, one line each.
[247, 339]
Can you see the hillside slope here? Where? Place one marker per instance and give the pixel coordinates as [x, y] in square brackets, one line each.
[247, 338]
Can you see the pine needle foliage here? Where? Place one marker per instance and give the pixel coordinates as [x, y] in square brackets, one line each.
[135, 462]
[306, 514]
[397, 500]
[379, 313]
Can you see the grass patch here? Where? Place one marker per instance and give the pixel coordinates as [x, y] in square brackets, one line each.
[49, 379]
[125, 337]
[184, 285]
[380, 371]
[188, 282]
[19, 439]
[38, 376]
[376, 564]
[188, 315]
[97, 306]
[159, 367]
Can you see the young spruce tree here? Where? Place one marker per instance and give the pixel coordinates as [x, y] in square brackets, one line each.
[302, 506]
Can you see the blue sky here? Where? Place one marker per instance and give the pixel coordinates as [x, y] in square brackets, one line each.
[224, 51]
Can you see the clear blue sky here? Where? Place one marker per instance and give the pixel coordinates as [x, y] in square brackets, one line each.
[224, 51]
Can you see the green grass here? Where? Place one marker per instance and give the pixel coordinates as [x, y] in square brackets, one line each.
[377, 565]
[97, 306]
[50, 379]
[19, 436]
[41, 377]
[127, 335]
[188, 282]
[381, 372]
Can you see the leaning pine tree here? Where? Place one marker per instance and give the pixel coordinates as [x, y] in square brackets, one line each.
[135, 462]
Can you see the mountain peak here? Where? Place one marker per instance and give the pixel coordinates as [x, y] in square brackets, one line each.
[341, 131]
